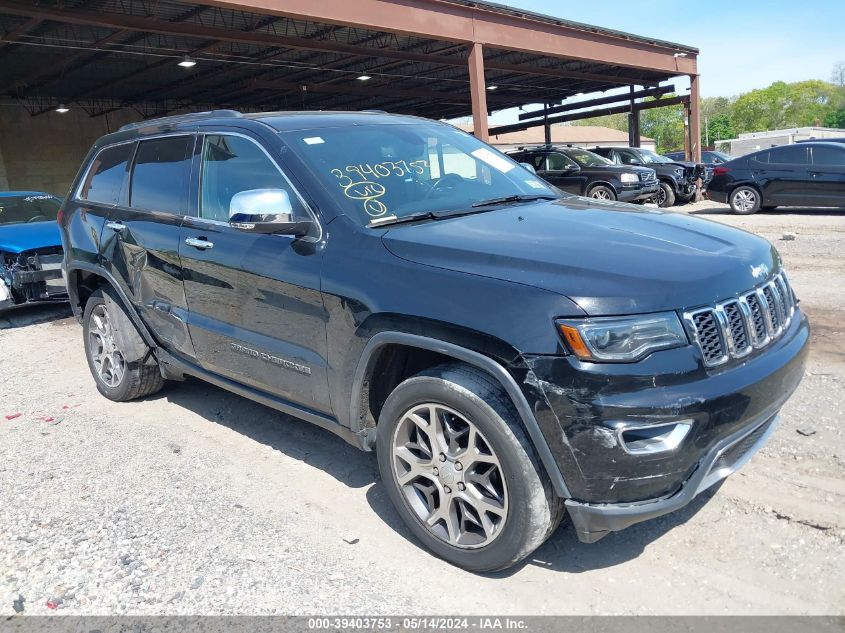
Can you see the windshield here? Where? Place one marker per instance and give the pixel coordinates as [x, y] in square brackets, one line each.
[721, 155]
[587, 159]
[35, 207]
[650, 157]
[380, 171]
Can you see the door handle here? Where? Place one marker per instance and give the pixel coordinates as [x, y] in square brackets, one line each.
[116, 226]
[199, 242]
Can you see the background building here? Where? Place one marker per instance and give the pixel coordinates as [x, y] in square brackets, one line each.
[753, 141]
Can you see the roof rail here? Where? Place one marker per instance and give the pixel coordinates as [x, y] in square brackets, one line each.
[179, 118]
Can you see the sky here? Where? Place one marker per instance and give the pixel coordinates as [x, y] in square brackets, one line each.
[743, 44]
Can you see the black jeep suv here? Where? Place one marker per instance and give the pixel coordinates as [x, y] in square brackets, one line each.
[512, 355]
[583, 173]
[677, 178]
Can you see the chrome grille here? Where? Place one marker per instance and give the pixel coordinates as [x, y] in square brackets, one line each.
[648, 176]
[736, 327]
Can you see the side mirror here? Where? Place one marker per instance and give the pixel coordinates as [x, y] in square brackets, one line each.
[265, 211]
[529, 167]
[571, 168]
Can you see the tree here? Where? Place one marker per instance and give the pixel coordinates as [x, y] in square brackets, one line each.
[783, 105]
[835, 119]
[837, 77]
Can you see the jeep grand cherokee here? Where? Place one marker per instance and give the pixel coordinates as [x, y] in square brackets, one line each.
[513, 356]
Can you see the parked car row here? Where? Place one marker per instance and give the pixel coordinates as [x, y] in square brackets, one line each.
[584, 173]
[628, 174]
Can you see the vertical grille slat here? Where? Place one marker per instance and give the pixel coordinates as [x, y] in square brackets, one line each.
[709, 339]
[774, 311]
[736, 323]
[733, 328]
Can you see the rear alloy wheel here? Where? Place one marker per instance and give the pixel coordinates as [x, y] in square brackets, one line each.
[461, 471]
[600, 192]
[107, 359]
[109, 337]
[745, 200]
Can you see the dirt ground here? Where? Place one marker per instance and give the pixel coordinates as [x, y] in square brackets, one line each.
[198, 501]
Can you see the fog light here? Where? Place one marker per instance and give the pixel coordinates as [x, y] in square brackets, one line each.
[647, 439]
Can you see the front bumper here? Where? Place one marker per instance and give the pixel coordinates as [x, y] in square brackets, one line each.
[45, 282]
[594, 521]
[579, 407]
[637, 191]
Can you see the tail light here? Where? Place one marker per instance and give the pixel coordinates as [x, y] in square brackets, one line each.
[718, 171]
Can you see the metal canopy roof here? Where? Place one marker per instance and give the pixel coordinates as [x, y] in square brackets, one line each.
[106, 54]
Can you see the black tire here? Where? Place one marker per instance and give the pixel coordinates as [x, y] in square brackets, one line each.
[666, 196]
[745, 200]
[141, 377]
[601, 192]
[533, 509]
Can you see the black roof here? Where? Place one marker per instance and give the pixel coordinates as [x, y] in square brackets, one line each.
[280, 121]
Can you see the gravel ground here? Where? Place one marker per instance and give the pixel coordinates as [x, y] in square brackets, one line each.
[198, 501]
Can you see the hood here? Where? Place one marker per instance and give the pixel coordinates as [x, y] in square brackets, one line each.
[690, 168]
[609, 258]
[17, 238]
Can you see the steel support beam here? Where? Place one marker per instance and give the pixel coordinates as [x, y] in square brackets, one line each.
[561, 73]
[458, 96]
[589, 114]
[478, 92]
[9, 37]
[444, 20]
[695, 118]
[569, 107]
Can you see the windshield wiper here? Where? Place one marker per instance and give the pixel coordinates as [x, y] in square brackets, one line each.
[389, 220]
[514, 198]
[386, 220]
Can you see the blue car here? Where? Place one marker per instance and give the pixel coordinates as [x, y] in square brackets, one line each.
[30, 249]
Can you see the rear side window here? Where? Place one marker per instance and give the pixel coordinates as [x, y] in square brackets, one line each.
[788, 155]
[105, 177]
[828, 156]
[160, 175]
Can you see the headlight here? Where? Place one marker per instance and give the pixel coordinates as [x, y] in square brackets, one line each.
[622, 339]
[630, 178]
[679, 171]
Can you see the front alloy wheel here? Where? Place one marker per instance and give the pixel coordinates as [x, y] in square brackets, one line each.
[449, 476]
[460, 470]
[601, 192]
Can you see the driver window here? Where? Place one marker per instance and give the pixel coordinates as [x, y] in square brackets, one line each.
[627, 158]
[559, 162]
[231, 164]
